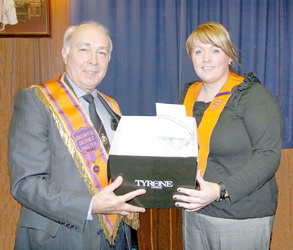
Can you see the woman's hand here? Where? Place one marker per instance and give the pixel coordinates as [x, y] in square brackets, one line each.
[192, 199]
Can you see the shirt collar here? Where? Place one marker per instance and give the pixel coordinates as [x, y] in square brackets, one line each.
[78, 91]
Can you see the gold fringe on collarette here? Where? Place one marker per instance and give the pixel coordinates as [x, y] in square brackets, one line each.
[66, 139]
[111, 235]
[133, 219]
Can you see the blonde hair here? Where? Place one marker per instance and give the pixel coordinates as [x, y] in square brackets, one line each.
[212, 33]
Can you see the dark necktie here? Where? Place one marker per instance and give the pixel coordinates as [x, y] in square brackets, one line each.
[97, 121]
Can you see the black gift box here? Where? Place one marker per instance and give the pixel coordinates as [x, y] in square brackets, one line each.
[160, 176]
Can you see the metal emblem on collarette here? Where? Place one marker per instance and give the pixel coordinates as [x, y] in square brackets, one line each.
[96, 169]
[104, 139]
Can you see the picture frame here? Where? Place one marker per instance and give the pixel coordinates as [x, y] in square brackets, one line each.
[33, 19]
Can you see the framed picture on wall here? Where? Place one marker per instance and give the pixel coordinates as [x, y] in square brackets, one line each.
[25, 18]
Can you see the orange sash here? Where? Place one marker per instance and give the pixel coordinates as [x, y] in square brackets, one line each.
[211, 115]
[83, 143]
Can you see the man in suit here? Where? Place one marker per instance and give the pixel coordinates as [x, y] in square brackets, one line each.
[58, 160]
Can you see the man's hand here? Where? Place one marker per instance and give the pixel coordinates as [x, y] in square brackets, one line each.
[106, 202]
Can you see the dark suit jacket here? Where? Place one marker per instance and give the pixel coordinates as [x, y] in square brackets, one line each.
[46, 182]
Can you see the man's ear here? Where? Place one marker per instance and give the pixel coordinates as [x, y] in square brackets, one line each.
[64, 55]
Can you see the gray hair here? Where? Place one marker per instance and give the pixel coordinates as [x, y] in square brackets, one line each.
[70, 30]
